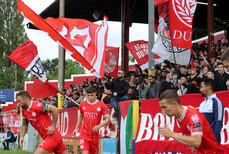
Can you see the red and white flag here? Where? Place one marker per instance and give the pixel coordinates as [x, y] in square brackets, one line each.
[26, 56]
[140, 50]
[158, 2]
[163, 45]
[181, 13]
[111, 61]
[83, 40]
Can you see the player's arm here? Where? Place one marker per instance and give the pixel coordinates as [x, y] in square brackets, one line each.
[192, 141]
[79, 121]
[104, 123]
[54, 111]
[24, 128]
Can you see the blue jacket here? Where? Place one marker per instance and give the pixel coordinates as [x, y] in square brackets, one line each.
[213, 110]
[9, 136]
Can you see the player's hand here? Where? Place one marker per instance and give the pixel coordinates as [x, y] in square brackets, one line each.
[115, 93]
[75, 132]
[50, 130]
[165, 131]
[21, 141]
[96, 128]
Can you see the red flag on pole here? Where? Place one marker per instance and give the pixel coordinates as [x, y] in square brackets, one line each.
[83, 40]
[163, 46]
[181, 13]
[111, 61]
[140, 50]
[26, 56]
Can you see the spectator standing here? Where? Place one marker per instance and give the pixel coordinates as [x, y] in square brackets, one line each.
[143, 89]
[8, 138]
[155, 87]
[193, 84]
[198, 133]
[167, 84]
[222, 78]
[181, 89]
[212, 107]
[119, 88]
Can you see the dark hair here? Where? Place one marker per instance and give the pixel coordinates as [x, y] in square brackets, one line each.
[152, 76]
[91, 89]
[8, 128]
[220, 63]
[209, 82]
[23, 94]
[170, 96]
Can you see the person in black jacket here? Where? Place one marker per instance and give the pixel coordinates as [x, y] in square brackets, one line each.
[8, 138]
[193, 84]
[167, 84]
[119, 88]
[222, 78]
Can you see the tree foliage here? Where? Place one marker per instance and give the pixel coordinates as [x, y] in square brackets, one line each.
[12, 35]
[71, 67]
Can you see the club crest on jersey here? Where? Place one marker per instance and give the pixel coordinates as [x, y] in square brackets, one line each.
[195, 118]
[98, 109]
[34, 114]
[39, 104]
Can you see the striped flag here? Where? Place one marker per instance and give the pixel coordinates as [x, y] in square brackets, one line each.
[125, 128]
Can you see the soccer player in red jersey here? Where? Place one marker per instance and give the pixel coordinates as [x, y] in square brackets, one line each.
[36, 114]
[91, 112]
[198, 133]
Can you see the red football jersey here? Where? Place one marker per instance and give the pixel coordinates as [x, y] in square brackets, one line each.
[92, 114]
[192, 122]
[38, 117]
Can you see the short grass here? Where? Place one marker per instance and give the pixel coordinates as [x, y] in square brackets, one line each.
[19, 151]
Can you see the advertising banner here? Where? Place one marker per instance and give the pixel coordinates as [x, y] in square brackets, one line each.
[6, 95]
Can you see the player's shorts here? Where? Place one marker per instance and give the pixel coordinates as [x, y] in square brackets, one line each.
[53, 143]
[90, 145]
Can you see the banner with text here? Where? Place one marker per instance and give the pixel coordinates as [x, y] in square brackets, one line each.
[67, 120]
[151, 118]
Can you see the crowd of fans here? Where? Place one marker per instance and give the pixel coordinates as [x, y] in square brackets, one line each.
[137, 84]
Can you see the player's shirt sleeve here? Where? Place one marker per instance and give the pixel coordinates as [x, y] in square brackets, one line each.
[81, 108]
[105, 110]
[42, 107]
[196, 125]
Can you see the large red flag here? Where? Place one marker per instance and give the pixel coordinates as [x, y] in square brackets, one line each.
[181, 14]
[111, 61]
[163, 45]
[83, 40]
[140, 50]
[26, 56]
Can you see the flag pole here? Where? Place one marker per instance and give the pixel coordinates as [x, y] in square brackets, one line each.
[151, 35]
[61, 62]
[72, 100]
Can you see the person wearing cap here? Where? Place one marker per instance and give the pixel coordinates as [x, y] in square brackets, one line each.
[143, 89]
